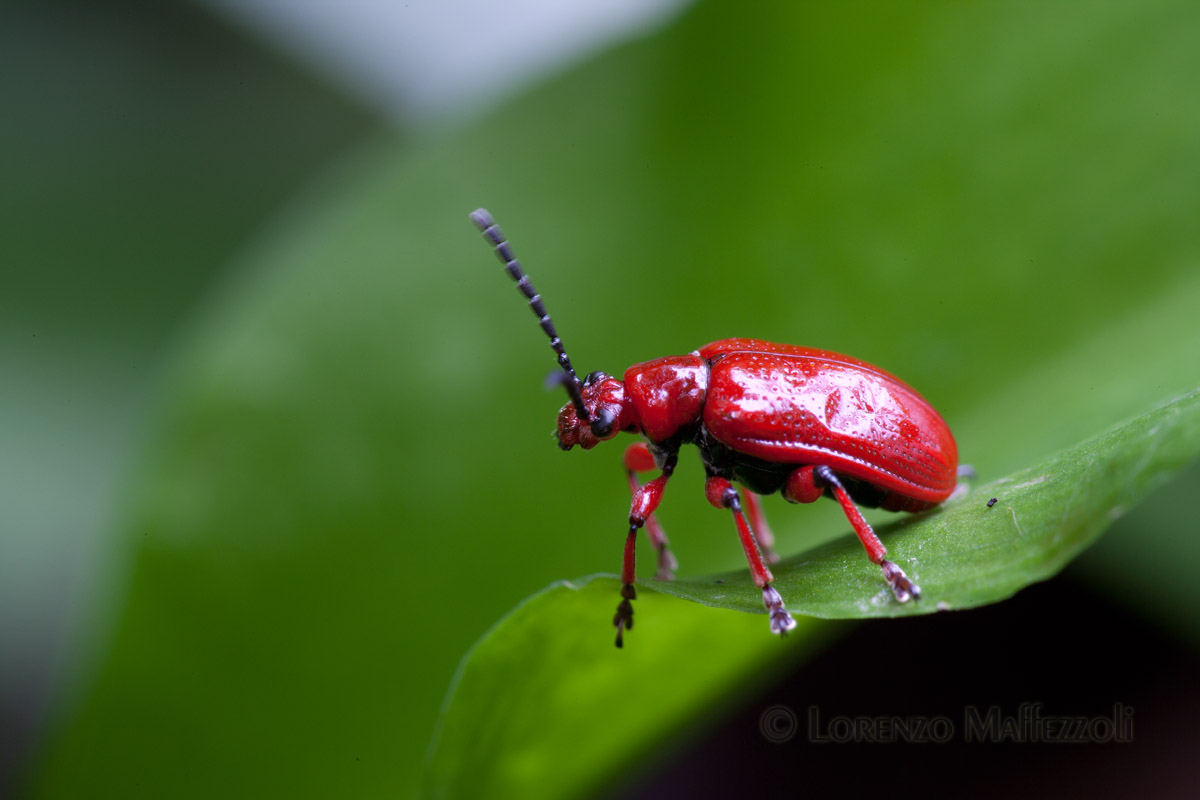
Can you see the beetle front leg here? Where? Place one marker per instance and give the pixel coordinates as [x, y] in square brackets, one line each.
[807, 484]
[645, 499]
[638, 458]
[721, 494]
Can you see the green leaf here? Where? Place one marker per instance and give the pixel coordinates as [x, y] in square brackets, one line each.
[525, 713]
[965, 554]
[541, 703]
[1155, 556]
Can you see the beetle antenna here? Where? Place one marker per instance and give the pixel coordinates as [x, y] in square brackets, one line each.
[573, 391]
[491, 231]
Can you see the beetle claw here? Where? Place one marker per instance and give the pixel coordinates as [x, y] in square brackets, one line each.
[902, 587]
[782, 622]
[623, 621]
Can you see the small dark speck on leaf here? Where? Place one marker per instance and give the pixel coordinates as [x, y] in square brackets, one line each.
[991, 502]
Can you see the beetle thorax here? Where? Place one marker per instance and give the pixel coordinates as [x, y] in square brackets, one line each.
[668, 394]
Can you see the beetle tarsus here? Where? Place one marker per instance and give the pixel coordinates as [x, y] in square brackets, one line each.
[902, 587]
[781, 620]
[623, 619]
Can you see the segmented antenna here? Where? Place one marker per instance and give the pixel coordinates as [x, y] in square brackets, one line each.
[491, 231]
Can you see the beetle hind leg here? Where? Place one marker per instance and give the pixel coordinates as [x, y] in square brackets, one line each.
[721, 494]
[807, 484]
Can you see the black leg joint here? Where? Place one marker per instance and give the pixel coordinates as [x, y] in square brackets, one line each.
[826, 475]
[730, 499]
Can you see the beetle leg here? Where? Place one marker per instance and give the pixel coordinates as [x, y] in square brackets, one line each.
[721, 494]
[807, 484]
[639, 459]
[758, 524]
[965, 474]
[645, 499]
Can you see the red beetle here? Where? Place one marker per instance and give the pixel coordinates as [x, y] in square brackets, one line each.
[772, 417]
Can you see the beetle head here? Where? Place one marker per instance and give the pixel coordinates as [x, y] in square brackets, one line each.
[607, 411]
[598, 409]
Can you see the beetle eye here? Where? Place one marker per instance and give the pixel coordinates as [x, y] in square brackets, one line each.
[602, 423]
[594, 377]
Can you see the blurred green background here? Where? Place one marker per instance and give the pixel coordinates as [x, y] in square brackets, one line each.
[277, 447]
